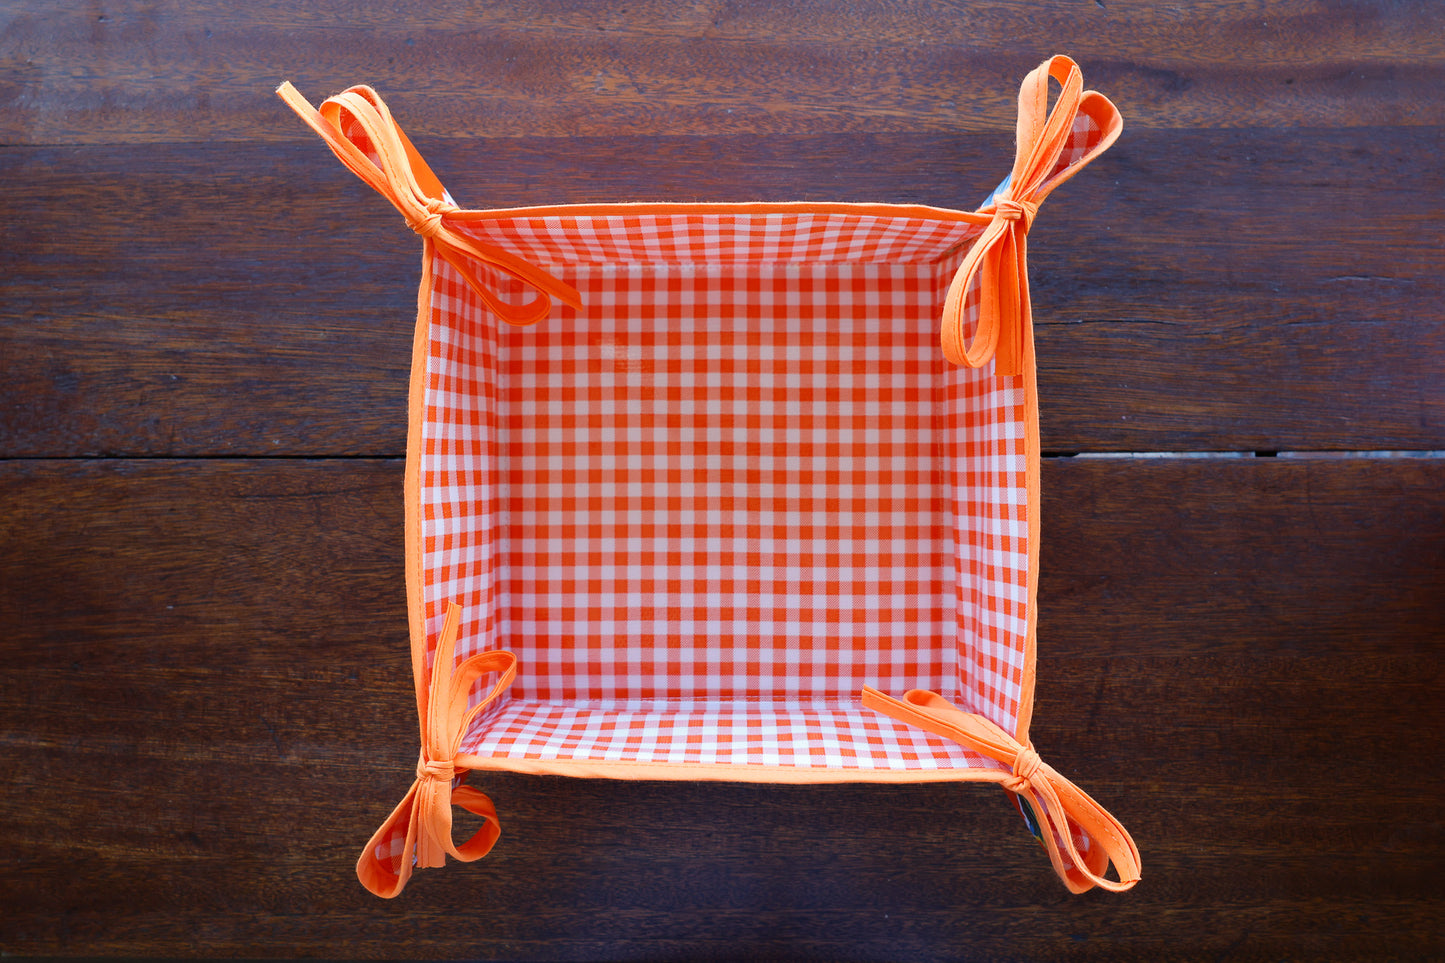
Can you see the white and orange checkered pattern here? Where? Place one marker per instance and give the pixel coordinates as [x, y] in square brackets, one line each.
[750, 487]
[691, 487]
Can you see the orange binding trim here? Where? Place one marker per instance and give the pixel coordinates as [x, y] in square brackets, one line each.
[424, 817]
[402, 177]
[998, 260]
[1060, 806]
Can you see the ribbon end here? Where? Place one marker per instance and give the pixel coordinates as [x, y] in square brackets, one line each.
[571, 298]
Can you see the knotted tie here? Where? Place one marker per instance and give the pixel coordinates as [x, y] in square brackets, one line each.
[1051, 149]
[401, 176]
[1060, 806]
[418, 833]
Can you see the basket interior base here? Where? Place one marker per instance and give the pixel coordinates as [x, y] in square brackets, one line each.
[801, 734]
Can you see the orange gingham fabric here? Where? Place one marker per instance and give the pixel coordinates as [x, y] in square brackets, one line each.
[724, 487]
[711, 507]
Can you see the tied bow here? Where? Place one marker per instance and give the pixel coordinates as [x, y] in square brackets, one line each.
[421, 826]
[996, 266]
[401, 176]
[1060, 806]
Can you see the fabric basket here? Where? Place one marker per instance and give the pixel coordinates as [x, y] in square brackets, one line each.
[726, 491]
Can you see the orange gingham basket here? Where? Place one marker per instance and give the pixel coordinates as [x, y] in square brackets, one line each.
[690, 487]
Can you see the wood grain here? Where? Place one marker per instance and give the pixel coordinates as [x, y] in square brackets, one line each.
[206, 705]
[1273, 556]
[170, 71]
[1242, 556]
[207, 711]
[270, 271]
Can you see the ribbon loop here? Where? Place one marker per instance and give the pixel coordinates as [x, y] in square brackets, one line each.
[992, 283]
[359, 129]
[418, 833]
[1064, 810]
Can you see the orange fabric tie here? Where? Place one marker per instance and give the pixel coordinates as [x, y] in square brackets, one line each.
[997, 263]
[1060, 806]
[424, 817]
[402, 177]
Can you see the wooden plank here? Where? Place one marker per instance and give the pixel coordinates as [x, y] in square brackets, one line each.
[171, 71]
[1241, 556]
[1204, 556]
[1250, 840]
[207, 711]
[269, 274]
[104, 553]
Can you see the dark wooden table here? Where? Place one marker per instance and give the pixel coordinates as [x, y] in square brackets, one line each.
[204, 338]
